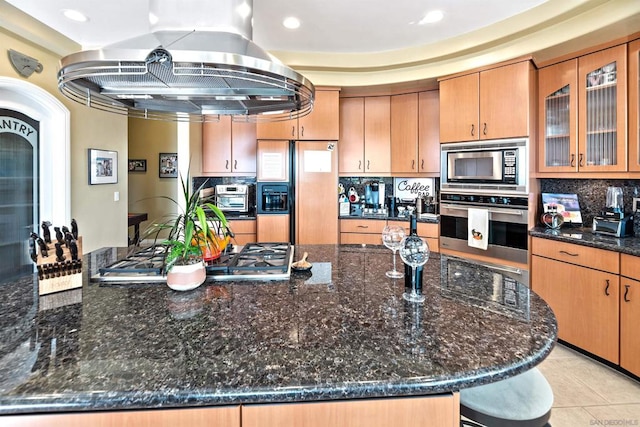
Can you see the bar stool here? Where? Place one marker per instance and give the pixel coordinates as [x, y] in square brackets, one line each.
[524, 400]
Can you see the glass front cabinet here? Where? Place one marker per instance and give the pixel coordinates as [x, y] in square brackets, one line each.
[583, 113]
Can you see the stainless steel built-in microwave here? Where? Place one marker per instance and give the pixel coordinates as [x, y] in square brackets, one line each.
[500, 165]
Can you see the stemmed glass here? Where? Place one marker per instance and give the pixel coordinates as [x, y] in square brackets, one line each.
[392, 236]
[414, 252]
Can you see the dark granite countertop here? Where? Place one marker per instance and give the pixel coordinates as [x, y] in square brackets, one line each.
[341, 331]
[585, 237]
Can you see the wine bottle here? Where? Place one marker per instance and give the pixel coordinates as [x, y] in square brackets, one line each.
[408, 270]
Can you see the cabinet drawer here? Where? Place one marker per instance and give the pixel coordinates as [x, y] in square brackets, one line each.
[371, 226]
[243, 227]
[428, 230]
[630, 266]
[360, 239]
[598, 259]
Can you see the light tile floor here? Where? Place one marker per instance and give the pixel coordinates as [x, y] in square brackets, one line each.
[588, 393]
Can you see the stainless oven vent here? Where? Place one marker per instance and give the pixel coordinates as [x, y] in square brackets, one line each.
[198, 63]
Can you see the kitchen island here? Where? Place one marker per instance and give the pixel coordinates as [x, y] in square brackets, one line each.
[339, 333]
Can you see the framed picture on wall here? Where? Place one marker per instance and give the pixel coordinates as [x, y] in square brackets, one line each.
[103, 166]
[137, 165]
[168, 165]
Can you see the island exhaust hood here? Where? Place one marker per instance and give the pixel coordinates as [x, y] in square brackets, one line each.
[197, 63]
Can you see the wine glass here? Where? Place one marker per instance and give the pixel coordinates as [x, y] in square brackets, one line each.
[392, 236]
[414, 252]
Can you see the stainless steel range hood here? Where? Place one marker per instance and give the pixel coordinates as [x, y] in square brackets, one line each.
[198, 62]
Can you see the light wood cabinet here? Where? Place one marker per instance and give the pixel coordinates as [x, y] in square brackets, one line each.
[223, 416]
[404, 133]
[273, 160]
[244, 230]
[321, 124]
[634, 106]
[273, 228]
[437, 411]
[489, 104]
[585, 300]
[361, 231]
[365, 135]
[630, 313]
[228, 147]
[429, 132]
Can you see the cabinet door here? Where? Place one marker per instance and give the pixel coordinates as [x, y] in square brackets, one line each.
[629, 321]
[216, 146]
[323, 122]
[286, 129]
[459, 107]
[585, 302]
[377, 134]
[602, 112]
[273, 160]
[558, 112]
[429, 132]
[634, 106]
[351, 143]
[504, 101]
[272, 228]
[404, 133]
[243, 147]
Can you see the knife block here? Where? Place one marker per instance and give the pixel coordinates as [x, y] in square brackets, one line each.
[55, 276]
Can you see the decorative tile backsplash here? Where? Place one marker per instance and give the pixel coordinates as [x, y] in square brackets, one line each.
[592, 193]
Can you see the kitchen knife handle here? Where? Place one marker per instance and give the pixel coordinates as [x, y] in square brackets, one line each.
[573, 160]
[626, 292]
[484, 130]
[473, 129]
[606, 290]
[568, 253]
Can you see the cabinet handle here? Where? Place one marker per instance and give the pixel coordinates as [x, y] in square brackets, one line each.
[568, 253]
[422, 165]
[484, 130]
[226, 165]
[302, 132]
[581, 162]
[413, 164]
[626, 292]
[573, 160]
[606, 290]
[363, 226]
[359, 164]
[235, 164]
[293, 131]
[473, 130]
[368, 164]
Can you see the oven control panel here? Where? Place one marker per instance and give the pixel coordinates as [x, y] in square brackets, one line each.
[485, 200]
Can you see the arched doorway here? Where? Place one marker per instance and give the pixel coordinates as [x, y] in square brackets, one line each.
[41, 168]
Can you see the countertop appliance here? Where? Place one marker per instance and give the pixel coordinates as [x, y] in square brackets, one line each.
[507, 225]
[233, 198]
[613, 221]
[490, 166]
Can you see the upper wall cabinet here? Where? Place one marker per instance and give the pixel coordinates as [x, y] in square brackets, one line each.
[634, 106]
[321, 124]
[365, 135]
[489, 104]
[228, 147]
[583, 113]
[415, 144]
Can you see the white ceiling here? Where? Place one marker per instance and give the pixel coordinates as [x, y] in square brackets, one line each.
[343, 26]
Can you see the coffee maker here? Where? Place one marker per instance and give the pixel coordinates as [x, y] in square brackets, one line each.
[613, 221]
[374, 198]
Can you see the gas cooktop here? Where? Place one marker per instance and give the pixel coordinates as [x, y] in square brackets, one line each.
[253, 261]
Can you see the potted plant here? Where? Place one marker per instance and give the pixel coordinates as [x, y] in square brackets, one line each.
[198, 232]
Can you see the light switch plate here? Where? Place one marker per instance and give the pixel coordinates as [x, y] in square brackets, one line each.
[636, 203]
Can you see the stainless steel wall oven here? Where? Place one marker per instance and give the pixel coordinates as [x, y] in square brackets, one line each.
[507, 225]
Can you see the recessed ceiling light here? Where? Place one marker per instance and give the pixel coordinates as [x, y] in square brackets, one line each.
[75, 15]
[244, 10]
[291, 22]
[431, 17]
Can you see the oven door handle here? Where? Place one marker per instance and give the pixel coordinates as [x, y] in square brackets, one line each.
[496, 211]
[505, 269]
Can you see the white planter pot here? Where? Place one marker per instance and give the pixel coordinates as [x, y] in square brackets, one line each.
[186, 277]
